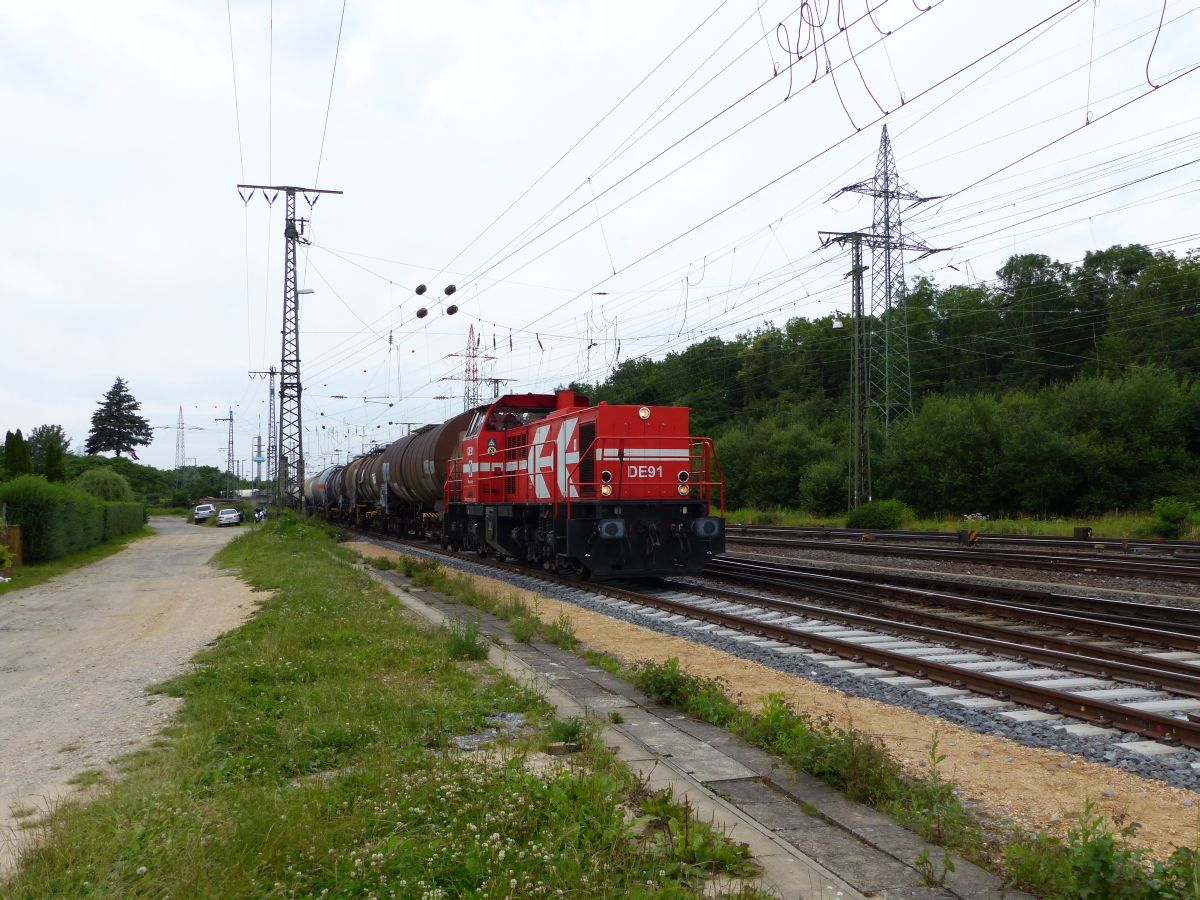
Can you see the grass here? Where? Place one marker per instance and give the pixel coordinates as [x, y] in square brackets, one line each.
[524, 621]
[40, 573]
[310, 758]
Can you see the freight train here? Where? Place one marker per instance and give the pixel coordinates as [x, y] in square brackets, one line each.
[603, 491]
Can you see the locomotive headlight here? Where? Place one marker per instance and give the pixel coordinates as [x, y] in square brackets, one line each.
[684, 476]
[606, 490]
[606, 476]
[684, 490]
[644, 413]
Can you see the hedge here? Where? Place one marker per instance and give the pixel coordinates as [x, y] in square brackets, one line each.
[122, 518]
[56, 520]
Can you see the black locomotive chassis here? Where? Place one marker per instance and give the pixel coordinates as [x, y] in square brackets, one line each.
[658, 536]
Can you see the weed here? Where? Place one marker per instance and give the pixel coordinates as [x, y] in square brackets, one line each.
[382, 563]
[462, 638]
[602, 660]
[87, 778]
[524, 629]
[23, 812]
[930, 876]
[705, 698]
[68, 748]
[615, 717]
[561, 633]
[570, 731]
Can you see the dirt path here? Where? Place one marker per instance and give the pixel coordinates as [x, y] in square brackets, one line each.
[1035, 788]
[77, 652]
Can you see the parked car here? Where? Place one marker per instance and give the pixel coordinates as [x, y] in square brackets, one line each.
[229, 517]
[202, 512]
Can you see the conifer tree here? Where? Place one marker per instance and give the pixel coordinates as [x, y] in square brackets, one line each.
[116, 425]
[17, 460]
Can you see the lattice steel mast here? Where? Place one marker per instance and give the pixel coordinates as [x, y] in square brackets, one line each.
[291, 433]
[179, 448]
[889, 370]
[269, 374]
[880, 370]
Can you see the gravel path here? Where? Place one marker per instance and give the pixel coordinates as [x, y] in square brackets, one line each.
[76, 654]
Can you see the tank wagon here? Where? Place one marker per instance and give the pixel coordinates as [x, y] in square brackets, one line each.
[604, 491]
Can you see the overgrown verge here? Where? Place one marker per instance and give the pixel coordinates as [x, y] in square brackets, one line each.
[313, 757]
[1097, 858]
[523, 620]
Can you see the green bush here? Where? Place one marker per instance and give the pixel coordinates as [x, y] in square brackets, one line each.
[122, 518]
[879, 514]
[105, 484]
[1171, 518]
[55, 520]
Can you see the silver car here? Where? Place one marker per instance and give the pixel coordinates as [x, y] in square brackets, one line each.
[229, 517]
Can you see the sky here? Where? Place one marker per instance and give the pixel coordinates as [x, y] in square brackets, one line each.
[600, 181]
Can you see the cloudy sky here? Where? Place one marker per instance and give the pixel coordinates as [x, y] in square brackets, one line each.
[600, 180]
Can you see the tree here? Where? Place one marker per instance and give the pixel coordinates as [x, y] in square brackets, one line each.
[116, 426]
[41, 439]
[105, 484]
[17, 460]
[54, 465]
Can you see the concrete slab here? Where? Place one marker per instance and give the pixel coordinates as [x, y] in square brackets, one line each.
[941, 690]
[1025, 674]
[1149, 748]
[1178, 704]
[983, 703]
[1125, 693]
[1069, 684]
[953, 658]
[1181, 655]
[991, 665]
[870, 671]
[1083, 729]
[1030, 715]
[840, 664]
[906, 681]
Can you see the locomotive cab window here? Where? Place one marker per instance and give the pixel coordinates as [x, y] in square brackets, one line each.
[502, 418]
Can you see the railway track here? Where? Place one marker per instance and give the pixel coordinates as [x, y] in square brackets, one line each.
[987, 655]
[1125, 545]
[1165, 567]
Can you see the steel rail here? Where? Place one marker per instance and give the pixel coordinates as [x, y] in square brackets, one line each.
[1100, 712]
[800, 580]
[1184, 619]
[1116, 664]
[1179, 570]
[1032, 540]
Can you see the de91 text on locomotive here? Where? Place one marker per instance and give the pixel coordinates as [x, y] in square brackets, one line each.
[603, 491]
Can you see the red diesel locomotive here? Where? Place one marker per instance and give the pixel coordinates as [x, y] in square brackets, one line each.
[604, 491]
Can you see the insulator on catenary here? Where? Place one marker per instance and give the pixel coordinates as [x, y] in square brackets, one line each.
[422, 313]
[421, 289]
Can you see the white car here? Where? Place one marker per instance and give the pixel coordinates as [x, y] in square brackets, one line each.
[202, 512]
[229, 517]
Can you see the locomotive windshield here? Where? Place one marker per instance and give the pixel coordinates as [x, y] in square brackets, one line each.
[502, 418]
